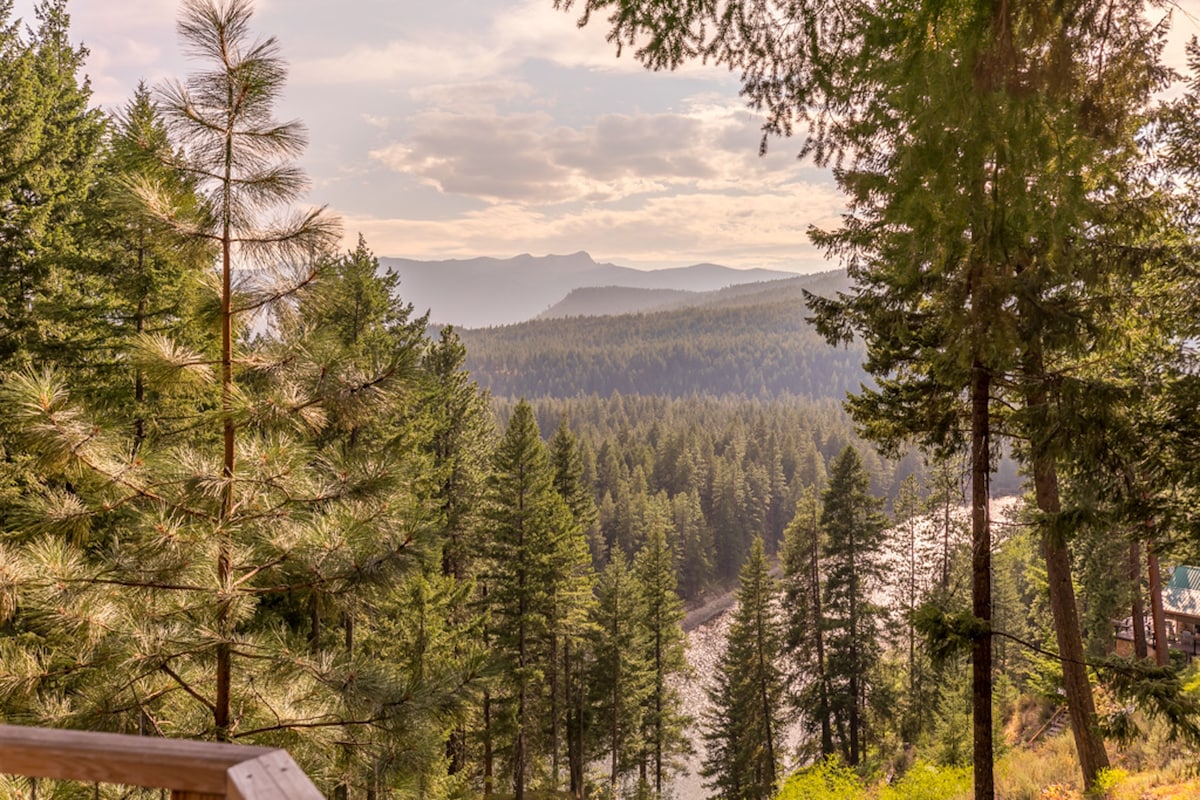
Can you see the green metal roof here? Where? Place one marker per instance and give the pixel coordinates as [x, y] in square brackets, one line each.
[1182, 594]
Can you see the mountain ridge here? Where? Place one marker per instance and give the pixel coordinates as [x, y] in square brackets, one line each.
[618, 300]
[486, 291]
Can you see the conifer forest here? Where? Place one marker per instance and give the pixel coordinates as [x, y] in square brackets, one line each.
[250, 494]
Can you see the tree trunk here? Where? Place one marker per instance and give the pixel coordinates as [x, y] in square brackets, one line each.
[1080, 706]
[1139, 609]
[981, 584]
[946, 539]
[489, 784]
[763, 673]
[660, 689]
[139, 384]
[819, 633]
[614, 730]
[574, 726]
[224, 677]
[1162, 654]
[554, 711]
[856, 660]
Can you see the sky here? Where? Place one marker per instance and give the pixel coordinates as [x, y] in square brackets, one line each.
[461, 128]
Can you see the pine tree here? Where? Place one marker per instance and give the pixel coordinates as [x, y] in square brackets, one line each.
[912, 584]
[854, 530]
[804, 620]
[221, 118]
[528, 524]
[664, 721]
[48, 155]
[566, 672]
[621, 678]
[458, 436]
[744, 729]
[139, 278]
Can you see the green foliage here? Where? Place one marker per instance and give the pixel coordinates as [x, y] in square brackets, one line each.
[729, 469]
[925, 781]
[852, 620]
[744, 730]
[1170, 694]
[622, 677]
[949, 634]
[828, 779]
[804, 623]
[665, 720]
[48, 154]
[535, 573]
[1108, 780]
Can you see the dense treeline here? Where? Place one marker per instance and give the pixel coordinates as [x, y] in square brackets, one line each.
[723, 470]
[765, 349]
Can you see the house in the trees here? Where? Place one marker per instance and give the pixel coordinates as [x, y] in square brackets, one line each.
[1181, 612]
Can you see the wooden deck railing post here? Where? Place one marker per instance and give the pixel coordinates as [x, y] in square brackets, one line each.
[190, 770]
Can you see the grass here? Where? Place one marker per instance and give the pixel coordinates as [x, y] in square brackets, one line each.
[1150, 768]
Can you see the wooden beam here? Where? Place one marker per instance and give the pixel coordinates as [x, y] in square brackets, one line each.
[273, 776]
[187, 768]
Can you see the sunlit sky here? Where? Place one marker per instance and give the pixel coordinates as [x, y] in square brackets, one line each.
[461, 128]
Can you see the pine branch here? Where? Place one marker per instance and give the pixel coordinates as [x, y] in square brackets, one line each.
[183, 685]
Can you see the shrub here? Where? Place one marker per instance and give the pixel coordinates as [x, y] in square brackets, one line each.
[926, 781]
[825, 780]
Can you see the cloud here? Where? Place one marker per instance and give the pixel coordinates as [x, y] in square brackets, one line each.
[765, 229]
[527, 157]
[472, 94]
[518, 34]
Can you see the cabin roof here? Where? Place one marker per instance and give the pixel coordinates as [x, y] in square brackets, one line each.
[1181, 595]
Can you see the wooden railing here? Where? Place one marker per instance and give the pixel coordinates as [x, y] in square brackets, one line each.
[191, 770]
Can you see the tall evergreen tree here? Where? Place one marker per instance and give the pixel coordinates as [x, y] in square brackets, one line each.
[854, 529]
[528, 524]
[804, 620]
[139, 278]
[459, 436]
[911, 585]
[568, 715]
[744, 730]
[221, 118]
[664, 720]
[48, 151]
[621, 678]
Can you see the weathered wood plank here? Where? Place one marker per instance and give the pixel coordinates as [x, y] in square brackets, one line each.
[274, 776]
[184, 766]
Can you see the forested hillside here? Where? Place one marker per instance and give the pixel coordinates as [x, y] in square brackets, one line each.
[725, 470]
[751, 341]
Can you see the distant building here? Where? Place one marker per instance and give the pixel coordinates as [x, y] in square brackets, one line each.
[1181, 611]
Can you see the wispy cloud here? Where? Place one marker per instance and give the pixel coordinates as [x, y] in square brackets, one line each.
[763, 229]
[518, 34]
[529, 157]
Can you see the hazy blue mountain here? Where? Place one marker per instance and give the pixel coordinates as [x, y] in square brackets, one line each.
[614, 300]
[599, 301]
[480, 292]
